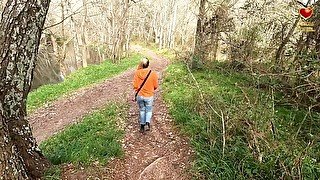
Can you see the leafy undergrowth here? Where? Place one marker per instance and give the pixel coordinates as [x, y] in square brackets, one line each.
[263, 140]
[81, 78]
[96, 138]
[53, 173]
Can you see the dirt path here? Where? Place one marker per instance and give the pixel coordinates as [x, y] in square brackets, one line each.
[159, 154]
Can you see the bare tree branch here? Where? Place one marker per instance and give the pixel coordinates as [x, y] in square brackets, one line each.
[74, 13]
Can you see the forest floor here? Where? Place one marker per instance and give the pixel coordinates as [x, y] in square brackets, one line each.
[162, 153]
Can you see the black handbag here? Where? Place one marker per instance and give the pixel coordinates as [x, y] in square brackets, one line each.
[135, 97]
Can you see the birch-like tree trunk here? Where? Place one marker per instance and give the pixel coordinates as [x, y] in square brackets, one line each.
[84, 34]
[20, 32]
[76, 46]
[60, 51]
[173, 26]
[62, 17]
[161, 33]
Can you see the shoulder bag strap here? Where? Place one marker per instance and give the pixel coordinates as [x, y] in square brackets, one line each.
[142, 84]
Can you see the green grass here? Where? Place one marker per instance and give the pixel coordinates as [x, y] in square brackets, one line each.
[293, 149]
[53, 173]
[95, 138]
[81, 78]
[165, 52]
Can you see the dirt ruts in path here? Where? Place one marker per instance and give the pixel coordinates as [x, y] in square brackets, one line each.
[51, 119]
[159, 154]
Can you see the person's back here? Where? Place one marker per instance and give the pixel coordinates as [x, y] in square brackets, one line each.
[146, 93]
[150, 85]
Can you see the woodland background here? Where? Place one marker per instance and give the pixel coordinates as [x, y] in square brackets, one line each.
[243, 32]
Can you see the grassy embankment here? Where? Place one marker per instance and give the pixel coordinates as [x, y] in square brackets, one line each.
[95, 139]
[249, 136]
[81, 78]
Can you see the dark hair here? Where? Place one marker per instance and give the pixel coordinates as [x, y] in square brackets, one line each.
[145, 65]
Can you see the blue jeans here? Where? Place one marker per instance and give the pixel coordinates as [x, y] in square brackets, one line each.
[145, 107]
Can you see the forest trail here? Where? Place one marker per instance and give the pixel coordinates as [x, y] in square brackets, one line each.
[161, 153]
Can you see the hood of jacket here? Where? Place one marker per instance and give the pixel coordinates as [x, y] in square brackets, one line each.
[142, 73]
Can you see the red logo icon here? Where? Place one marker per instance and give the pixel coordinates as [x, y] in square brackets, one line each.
[306, 13]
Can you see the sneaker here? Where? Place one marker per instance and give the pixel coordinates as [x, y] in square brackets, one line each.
[148, 124]
[142, 128]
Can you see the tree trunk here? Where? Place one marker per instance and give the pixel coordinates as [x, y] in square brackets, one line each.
[22, 21]
[76, 46]
[62, 18]
[123, 28]
[199, 38]
[286, 40]
[84, 34]
[161, 37]
[318, 42]
[215, 45]
[299, 47]
[61, 51]
[60, 59]
[161, 31]
[119, 16]
[173, 27]
[11, 164]
[213, 23]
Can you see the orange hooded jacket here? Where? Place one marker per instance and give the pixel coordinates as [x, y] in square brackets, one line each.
[150, 85]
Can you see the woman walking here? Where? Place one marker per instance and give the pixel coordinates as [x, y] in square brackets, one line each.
[144, 83]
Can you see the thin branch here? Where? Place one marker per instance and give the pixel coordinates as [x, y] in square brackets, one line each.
[74, 13]
[136, 1]
[223, 134]
[273, 129]
[304, 119]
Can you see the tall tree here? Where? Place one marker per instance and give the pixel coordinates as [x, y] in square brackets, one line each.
[199, 37]
[20, 31]
[84, 38]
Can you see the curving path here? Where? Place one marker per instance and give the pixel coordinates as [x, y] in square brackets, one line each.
[159, 154]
